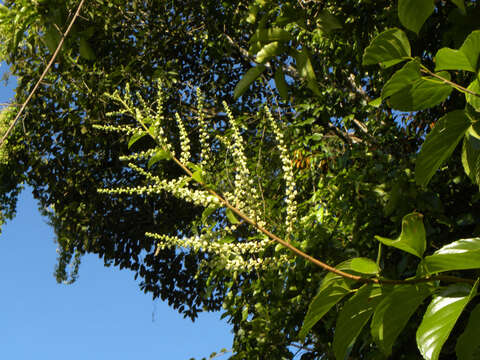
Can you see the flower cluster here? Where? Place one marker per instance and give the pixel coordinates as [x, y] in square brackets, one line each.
[203, 132]
[184, 141]
[287, 168]
[238, 256]
[241, 254]
[176, 187]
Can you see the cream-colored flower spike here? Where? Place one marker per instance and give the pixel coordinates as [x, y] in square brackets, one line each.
[241, 255]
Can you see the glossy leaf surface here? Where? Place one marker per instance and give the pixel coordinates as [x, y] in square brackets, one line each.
[440, 318]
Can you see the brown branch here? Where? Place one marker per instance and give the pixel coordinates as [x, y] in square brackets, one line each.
[446, 81]
[298, 252]
[50, 63]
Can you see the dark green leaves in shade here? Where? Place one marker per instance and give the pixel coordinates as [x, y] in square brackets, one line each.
[407, 90]
[86, 50]
[305, 69]
[333, 288]
[328, 22]
[468, 346]
[352, 318]
[281, 84]
[389, 48]
[325, 299]
[269, 35]
[459, 255]
[413, 13]
[466, 58]
[250, 76]
[440, 318]
[470, 155]
[393, 312]
[439, 144]
[412, 238]
[460, 4]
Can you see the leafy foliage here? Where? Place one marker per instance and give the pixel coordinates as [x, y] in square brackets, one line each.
[326, 175]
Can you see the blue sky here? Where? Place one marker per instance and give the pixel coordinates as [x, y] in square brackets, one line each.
[104, 315]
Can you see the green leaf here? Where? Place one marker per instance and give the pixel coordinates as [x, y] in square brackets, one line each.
[449, 59]
[268, 51]
[361, 265]
[471, 48]
[198, 176]
[413, 13]
[305, 69]
[468, 346]
[328, 22]
[465, 58]
[325, 299]
[390, 47]
[247, 79]
[440, 318]
[207, 212]
[376, 102]
[393, 312]
[462, 254]
[461, 5]
[231, 216]
[474, 100]
[352, 266]
[269, 35]
[159, 155]
[470, 155]
[86, 50]
[352, 318]
[281, 84]
[407, 90]
[439, 144]
[135, 137]
[412, 238]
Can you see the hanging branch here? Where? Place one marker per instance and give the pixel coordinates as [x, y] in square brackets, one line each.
[49, 65]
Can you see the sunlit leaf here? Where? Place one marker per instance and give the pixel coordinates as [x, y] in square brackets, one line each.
[159, 155]
[474, 100]
[439, 144]
[231, 217]
[471, 155]
[390, 48]
[135, 137]
[412, 238]
[440, 318]
[465, 58]
[459, 255]
[269, 51]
